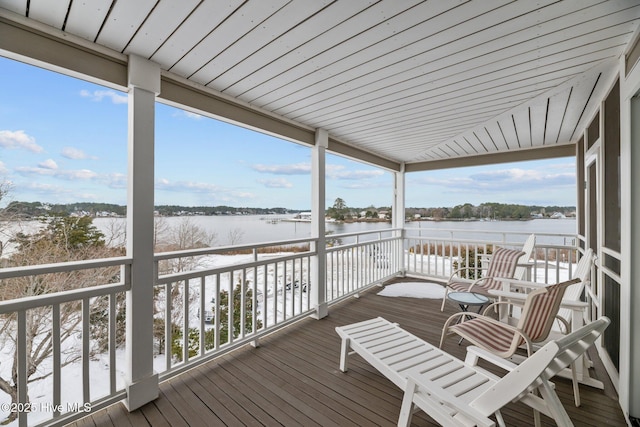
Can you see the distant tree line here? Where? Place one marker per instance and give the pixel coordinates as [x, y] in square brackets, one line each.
[25, 210]
[339, 211]
[489, 210]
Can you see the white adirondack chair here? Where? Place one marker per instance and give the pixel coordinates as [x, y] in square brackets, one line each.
[570, 315]
[476, 394]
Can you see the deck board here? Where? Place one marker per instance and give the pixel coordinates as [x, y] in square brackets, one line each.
[293, 379]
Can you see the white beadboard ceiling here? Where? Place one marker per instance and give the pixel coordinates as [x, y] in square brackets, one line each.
[410, 81]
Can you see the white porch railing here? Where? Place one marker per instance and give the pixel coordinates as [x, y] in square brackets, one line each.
[220, 305]
[18, 317]
[369, 258]
[433, 252]
[205, 307]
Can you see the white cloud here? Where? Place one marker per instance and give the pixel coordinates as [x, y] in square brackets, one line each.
[3, 168]
[189, 186]
[46, 189]
[339, 172]
[70, 175]
[292, 169]
[99, 95]
[213, 192]
[276, 183]
[116, 180]
[332, 171]
[19, 139]
[188, 114]
[76, 154]
[48, 164]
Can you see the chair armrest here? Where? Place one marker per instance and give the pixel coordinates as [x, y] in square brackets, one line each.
[574, 304]
[519, 296]
[458, 270]
[474, 353]
[519, 283]
[435, 400]
[493, 305]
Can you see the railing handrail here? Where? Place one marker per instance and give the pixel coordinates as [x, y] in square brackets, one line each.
[225, 249]
[355, 245]
[467, 231]
[173, 277]
[27, 303]
[34, 270]
[362, 233]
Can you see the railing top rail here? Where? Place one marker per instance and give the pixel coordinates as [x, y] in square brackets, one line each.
[30, 302]
[187, 275]
[33, 270]
[360, 244]
[487, 242]
[223, 249]
[467, 231]
[362, 233]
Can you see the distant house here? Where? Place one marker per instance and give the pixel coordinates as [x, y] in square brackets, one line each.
[304, 216]
[557, 215]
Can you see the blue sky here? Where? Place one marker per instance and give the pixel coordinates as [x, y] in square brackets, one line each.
[64, 140]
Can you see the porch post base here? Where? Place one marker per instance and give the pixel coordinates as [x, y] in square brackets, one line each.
[322, 311]
[141, 392]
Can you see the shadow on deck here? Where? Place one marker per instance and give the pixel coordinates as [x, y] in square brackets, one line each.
[293, 379]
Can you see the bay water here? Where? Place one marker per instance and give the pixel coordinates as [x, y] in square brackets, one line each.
[249, 229]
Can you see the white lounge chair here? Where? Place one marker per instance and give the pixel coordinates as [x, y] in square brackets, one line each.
[457, 393]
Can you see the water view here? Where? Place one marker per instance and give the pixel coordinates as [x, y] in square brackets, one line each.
[247, 229]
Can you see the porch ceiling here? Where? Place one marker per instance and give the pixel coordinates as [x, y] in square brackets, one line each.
[408, 81]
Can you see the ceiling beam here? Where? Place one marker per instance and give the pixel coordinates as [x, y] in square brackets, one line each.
[357, 154]
[63, 53]
[550, 152]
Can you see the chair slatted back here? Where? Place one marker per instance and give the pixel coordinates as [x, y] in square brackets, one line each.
[503, 264]
[540, 310]
[582, 272]
[527, 248]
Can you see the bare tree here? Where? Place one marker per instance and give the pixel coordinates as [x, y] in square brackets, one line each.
[5, 230]
[185, 235]
[160, 228]
[235, 236]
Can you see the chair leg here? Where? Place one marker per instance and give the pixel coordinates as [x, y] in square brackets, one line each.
[406, 410]
[574, 379]
[554, 405]
[344, 354]
[444, 298]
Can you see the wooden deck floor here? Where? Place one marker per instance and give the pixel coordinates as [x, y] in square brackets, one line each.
[293, 379]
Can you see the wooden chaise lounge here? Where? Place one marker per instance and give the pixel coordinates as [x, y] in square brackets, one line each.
[456, 393]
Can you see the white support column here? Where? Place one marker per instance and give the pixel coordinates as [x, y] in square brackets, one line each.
[629, 388]
[144, 85]
[398, 211]
[319, 263]
[630, 293]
